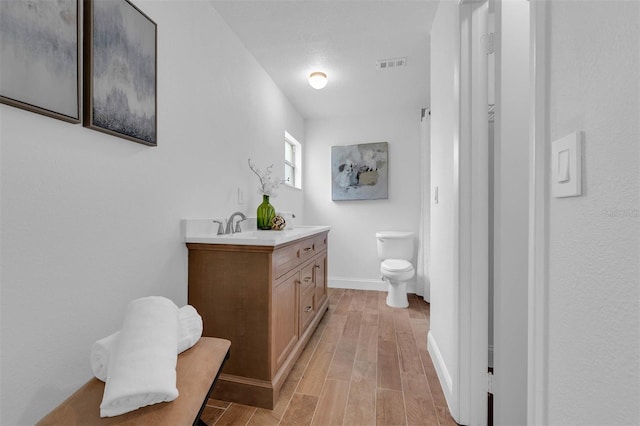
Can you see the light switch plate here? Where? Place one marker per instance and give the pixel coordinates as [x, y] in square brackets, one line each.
[566, 166]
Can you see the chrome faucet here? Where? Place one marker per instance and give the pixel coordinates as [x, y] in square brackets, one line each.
[220, 227]
[229, 229]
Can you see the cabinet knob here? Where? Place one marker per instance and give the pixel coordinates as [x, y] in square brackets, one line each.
[317, 266]
[307, 279]
[307, 309]
[308, 248]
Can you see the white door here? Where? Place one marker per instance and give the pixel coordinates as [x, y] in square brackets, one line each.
[511, 212]
[500, 78]
[474, 211]
[461, 358]
[458, 338]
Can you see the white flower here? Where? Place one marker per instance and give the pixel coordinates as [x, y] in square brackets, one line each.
[268, 184]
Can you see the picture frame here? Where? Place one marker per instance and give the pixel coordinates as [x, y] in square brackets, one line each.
[40, 50]
[120, 71]
[360, 172]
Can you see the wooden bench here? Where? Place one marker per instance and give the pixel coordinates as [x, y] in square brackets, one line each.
[197, 371]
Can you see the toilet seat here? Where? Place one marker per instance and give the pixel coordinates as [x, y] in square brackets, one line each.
[396, 265]
[396, 270]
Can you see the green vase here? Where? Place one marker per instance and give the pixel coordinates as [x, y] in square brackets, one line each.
[266, 212]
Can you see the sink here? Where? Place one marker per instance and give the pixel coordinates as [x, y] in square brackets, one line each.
[246, 234]
[203, 231]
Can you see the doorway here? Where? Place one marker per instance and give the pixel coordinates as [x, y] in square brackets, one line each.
[495, 87]
[464, 217]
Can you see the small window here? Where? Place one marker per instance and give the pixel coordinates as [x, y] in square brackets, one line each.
[292, 161]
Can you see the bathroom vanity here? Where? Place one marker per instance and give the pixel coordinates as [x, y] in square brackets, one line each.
[266, 292]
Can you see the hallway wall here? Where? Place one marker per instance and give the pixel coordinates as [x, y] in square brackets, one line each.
[91, 221]
[594, 239]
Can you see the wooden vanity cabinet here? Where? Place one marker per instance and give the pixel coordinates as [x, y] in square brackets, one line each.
[267, 300]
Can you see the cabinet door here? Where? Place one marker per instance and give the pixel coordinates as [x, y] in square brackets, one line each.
[321, 278]
[285, 316]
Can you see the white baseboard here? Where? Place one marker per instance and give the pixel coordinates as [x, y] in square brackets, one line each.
[365, 284]
[356, 283]
[441, 367]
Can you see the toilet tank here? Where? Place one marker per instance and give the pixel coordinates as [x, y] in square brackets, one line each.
[395, 245]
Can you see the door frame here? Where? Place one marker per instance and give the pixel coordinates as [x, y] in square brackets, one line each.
[473, 214]
[537, 386]
[473, 219]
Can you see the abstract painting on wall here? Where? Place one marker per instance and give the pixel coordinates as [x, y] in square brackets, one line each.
[359, 172]
[120, 50]
[39, 69]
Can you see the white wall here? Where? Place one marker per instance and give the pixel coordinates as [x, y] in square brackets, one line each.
[353, 259]
[90, 221]
[445, 69]
[594, 239]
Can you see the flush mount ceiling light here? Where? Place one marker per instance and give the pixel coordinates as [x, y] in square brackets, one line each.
[318, 80]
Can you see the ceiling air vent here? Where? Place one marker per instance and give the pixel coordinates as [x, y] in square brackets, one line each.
[391, 63]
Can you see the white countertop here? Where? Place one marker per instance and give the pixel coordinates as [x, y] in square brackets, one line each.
[204, 231]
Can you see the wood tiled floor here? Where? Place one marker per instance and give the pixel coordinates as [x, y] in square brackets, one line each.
[366, 364]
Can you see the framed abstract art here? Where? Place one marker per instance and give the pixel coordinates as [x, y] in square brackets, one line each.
[39, 47]
[120, 71]
[360, 172]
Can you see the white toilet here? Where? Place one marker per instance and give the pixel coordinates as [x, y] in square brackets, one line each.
[395, 250]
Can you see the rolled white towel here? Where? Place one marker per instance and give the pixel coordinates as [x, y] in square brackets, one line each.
[142, 369]
[189, 327]
[101, 352]
[189, 332]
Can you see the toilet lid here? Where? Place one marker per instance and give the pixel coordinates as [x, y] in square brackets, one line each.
[397, 265]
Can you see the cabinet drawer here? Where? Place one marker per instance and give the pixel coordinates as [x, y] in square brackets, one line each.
[320, 243]
[307, 308]
[288, 257]
[307, 248]
[306, 277]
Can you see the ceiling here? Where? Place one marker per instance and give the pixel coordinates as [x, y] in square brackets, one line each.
[345, 39]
